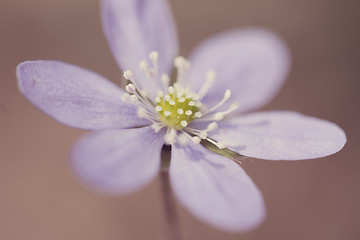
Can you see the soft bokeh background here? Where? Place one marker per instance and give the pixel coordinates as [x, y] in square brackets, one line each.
[317, 199]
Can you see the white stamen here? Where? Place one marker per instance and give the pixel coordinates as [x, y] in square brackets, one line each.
[181, 99]
[210, 78]
[198, 114]
[154, 55]
[165, 79]
[180, 111]
[184, 123]
[130, 88]
[211, 127]
[171, 90]
[233, 106]
[195, 96]
[144, 93]
[196, 140]
[226, 97]
[158, 108]
[227, 94]
[126, 97]
[157, 127]
[170, 136]
[167, 98]
[134, 99]
[219, 116]
[202, 134]
[180, 91]
[142, 112]
[188, 112]
[221, 145]
[191, 103]
[158, 100]
[182, 65]
[128, 75]
[198, 104]
[167, 113]
[172, 102]
[182, 139]
[143, 66]
[160, 93]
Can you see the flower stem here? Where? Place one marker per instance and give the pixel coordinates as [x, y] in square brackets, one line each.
[169, 205]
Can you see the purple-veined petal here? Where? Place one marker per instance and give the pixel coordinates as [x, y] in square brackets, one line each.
[75, 96]
[252, 63]
[134, 29]
[281, 135]
[215, 189]
[118, 161]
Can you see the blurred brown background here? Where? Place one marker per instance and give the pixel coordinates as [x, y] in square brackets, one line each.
[317, 199]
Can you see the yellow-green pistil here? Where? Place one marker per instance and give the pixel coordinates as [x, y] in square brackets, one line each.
[177, 109]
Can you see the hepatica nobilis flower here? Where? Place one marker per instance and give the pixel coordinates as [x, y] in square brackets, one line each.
[201, 110]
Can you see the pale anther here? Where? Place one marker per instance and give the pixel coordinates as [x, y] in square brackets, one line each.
[167, 98]
[125, 97]
[131, 88]
[202, 134]
[167, 113]
[198, 114]
[141, 112]
[154, 55]
[144, 93]
[227, 94]
[180, 111]
[183, 123]
[196, 140]
[191, 103]
[160, 93]
[128, 75]
[182, 139]
[134, 99]
[219, 116]
[171, 90]
[172, 102]
[181, 63]
[158, 99]
[221, 145]
[170, 136]
[188, 112]
[195, 96]
[165, 79]
[156, 127]
[210, 77]
[143, 66]
[181, 99]
[188, 95]
[212, 126]
[158, 108]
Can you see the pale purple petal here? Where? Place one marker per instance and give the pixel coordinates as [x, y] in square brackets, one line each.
[281, 135]
[117, 161]
[252, 63]
[134, 29]
[75, 96]
[215, 189]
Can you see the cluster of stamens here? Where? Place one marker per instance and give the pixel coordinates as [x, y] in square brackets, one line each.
[175, 107]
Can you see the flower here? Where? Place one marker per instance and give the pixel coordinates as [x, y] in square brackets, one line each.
[230, 74]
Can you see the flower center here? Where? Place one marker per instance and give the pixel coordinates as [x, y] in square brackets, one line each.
[177, 108]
